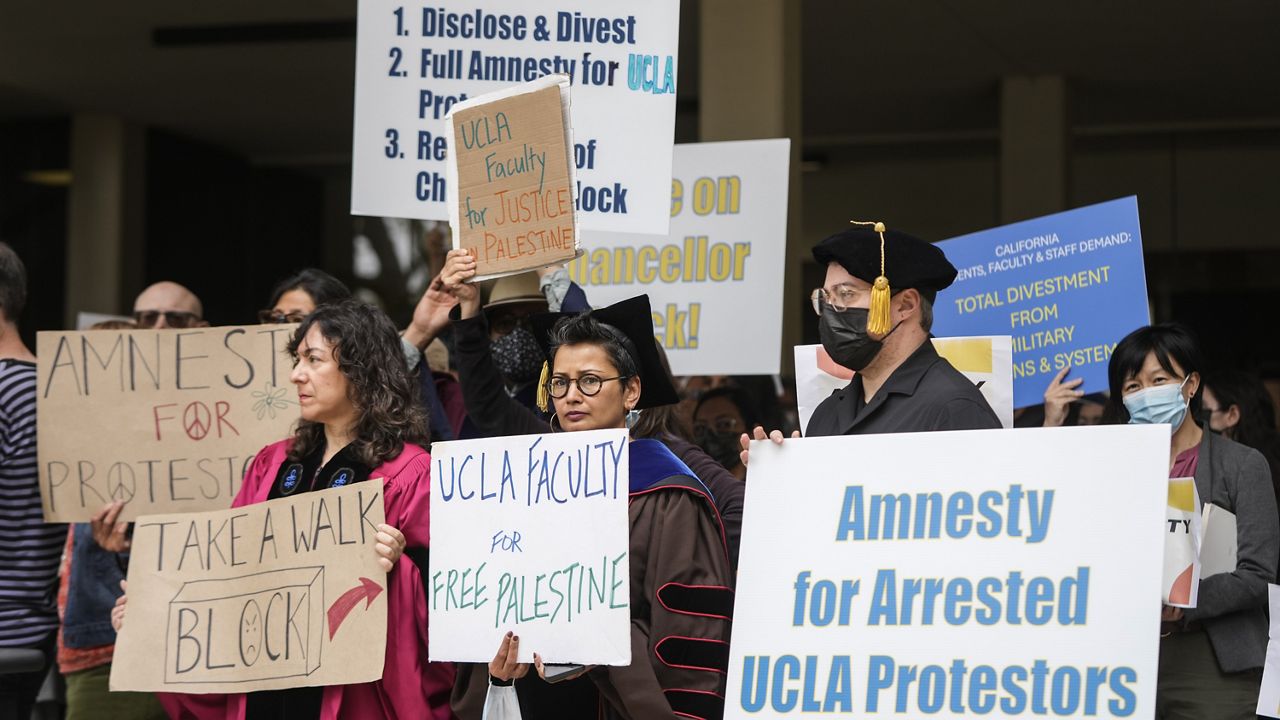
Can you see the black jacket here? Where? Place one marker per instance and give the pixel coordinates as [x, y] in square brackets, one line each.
[924, 393]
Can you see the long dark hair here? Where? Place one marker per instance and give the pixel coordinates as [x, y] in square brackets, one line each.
[1171, 343]
[1257, 426]
[367, 349]
[323, 288]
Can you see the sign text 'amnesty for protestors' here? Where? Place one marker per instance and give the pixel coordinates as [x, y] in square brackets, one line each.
[165, 420]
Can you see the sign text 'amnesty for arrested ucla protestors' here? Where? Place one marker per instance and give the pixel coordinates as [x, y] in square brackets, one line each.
[530, 534]
[715, 280]
[1066, 286]
[416, 60]
[280, 594]
[165, 420]
[952, 574]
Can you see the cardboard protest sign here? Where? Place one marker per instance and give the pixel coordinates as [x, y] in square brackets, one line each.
[530, 534]
[720, 266]
[951, 575]
[511, 178]
[415, 61]
[987, 361]
[165, 420]
[1067, 286]
[285, 593]
[1181, 584]
[1269, 695]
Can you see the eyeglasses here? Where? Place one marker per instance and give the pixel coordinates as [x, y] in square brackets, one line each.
[845, 297]
[588, 385]
[172, 318]
[271, 317]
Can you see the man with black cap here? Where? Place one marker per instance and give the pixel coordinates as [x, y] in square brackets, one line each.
[876, 310]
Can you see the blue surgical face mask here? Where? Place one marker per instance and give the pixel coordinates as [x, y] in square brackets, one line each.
[1160, 404]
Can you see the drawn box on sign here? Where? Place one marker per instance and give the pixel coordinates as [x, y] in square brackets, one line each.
[264, 626]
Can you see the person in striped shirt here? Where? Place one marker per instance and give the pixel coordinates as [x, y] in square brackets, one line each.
[32, 548]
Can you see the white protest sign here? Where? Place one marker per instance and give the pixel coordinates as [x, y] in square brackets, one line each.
[164, 420]
[1269, 695]
[280, 594]
[415, 60]
[1181, 584]
[715, 281]
[951, 575]
[987, 361]
[530, 534]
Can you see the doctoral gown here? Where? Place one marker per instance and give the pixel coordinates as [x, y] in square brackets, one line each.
[681, 609]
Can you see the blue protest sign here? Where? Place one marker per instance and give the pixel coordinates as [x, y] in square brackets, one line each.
[1066, 286]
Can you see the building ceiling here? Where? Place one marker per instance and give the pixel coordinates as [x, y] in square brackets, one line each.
[870, 67]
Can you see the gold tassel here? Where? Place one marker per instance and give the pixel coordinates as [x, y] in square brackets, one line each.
[544, 400]
[879, 321]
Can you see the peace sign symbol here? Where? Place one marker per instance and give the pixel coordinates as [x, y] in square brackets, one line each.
[121, 483]
[197, 420]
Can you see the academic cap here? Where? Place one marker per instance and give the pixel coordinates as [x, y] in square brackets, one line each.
[631, 321]
[880, 256]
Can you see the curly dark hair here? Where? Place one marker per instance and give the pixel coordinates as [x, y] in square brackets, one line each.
[383, 391]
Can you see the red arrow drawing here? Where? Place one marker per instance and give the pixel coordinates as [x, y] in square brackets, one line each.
[367, 590]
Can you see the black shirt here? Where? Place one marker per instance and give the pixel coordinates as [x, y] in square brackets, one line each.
[924, 393]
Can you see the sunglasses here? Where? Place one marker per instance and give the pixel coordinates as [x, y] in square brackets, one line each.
[172, 318]
[271, 317]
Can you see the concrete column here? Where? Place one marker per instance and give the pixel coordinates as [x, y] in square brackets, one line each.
[105, 215]
[749, 89]
[1034, 146]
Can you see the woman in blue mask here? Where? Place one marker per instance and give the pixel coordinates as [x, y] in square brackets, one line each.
[1211, 656]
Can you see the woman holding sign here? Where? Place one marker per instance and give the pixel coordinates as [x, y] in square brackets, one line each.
[600, 366]
[1211, 656]
[358, 421]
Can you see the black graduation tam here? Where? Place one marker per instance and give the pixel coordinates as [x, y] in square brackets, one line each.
[631, 321]
[907, 262]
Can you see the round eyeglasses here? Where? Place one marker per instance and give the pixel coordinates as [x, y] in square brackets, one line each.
[588, 385]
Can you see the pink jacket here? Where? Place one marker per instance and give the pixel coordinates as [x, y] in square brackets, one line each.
[410, 686]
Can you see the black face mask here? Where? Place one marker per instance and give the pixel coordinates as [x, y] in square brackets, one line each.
[844, 337]
[723, 447]
[518, 356]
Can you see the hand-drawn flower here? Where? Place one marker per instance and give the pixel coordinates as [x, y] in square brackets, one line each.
[270, 400]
